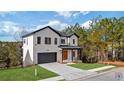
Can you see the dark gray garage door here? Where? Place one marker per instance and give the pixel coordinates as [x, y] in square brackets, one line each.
[47, 57]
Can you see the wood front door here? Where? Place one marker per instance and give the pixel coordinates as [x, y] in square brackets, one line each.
[65, 54]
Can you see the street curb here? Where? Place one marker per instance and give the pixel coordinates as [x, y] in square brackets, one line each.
[101, 68]
[57, 78]
[91, 76]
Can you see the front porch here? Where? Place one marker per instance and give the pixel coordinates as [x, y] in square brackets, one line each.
[70, 53]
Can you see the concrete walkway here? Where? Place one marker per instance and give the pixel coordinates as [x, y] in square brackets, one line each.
[69, 73]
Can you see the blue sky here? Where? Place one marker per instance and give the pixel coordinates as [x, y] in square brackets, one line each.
[14, 22]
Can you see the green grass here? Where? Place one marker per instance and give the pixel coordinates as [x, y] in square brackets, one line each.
[87, 66]
[25, 74]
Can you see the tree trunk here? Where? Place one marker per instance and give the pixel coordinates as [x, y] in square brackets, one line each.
[112, 52]
[123, 54]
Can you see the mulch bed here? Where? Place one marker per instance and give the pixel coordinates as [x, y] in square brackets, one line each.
[116, 63]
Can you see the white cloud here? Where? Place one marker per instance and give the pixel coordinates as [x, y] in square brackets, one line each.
[84, 12]
[53, 23]
[86, 24]
[12, 29]
[81, 12]
[68, 14]
[76, 14]
[9, 27]
[65, 13]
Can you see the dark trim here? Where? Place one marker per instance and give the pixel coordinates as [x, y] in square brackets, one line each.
[38, 40]
[69, 47]
[73, 41]
[57, 32]
[47, 40]
[40, 30]
[74, 34]
[55, 41]
[62, 41]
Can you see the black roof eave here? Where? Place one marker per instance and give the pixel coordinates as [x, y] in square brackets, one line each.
[40, 30]
[52, 30]
[69, 47]
[74, 34]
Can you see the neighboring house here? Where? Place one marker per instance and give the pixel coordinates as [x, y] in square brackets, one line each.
[47, 45]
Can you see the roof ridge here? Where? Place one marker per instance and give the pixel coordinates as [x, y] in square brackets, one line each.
[63, 34]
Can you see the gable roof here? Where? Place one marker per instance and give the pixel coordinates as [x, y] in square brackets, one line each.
[74, 34]
[62, 34]
[40, 30]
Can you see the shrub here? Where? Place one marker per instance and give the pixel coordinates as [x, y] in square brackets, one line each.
[10, 54]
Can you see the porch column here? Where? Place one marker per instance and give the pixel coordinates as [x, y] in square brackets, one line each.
[80, 53]
[62, 55]
[72, 54]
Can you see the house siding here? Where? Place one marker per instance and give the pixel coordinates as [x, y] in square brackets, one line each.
[45, 48]
[71, 40]
[28, 50]
[31, 48]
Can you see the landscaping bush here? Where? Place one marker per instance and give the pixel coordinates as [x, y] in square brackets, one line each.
[10, 54]
[86, 59]
[3, 64]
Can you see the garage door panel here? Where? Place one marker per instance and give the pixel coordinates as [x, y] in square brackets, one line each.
[46, 57]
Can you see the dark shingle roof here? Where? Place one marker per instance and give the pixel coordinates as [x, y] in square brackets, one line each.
[62, 34]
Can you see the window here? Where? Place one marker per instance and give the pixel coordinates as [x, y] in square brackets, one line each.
[38, 40]
[73, 41]
[24, 41]
[55, 41]
[47, 40]
[62, 41]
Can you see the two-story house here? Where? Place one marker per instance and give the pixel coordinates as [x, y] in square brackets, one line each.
[48, 45]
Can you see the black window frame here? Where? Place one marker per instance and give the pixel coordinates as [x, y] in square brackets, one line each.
[55, 41]
[47, 40]
[73, 41]
[38, 40]
[62, 41]
[24, 41]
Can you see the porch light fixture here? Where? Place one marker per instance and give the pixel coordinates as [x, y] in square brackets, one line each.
[60, 49]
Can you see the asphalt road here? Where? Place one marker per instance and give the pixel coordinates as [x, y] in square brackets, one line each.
[116, 74]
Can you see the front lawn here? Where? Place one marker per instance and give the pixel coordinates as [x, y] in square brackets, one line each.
[87, 66]
[25, 74]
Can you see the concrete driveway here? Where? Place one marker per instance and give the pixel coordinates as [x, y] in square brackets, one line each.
[69, 73]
